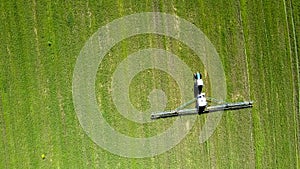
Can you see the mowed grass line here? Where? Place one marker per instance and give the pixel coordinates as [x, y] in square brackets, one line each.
[22, 142]
[287, 72]
[35, 117]
[238, 123]
[292, 16]
[278, 113]
[293, 22]
[54, 84]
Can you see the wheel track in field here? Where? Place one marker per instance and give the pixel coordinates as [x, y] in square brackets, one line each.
[296, 108]
[298, 85]
[248, 85]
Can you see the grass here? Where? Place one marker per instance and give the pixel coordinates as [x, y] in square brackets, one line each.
[258, 43]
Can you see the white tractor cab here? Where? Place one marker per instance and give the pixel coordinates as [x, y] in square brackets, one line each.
[200, 97]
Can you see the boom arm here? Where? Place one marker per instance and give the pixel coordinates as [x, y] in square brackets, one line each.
[222, 107]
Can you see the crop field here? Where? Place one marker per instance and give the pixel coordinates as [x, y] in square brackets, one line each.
[258, 45]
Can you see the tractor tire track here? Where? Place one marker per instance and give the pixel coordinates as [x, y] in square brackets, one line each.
[295, 72]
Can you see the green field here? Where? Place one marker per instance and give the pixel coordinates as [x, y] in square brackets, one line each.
[258, 42]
